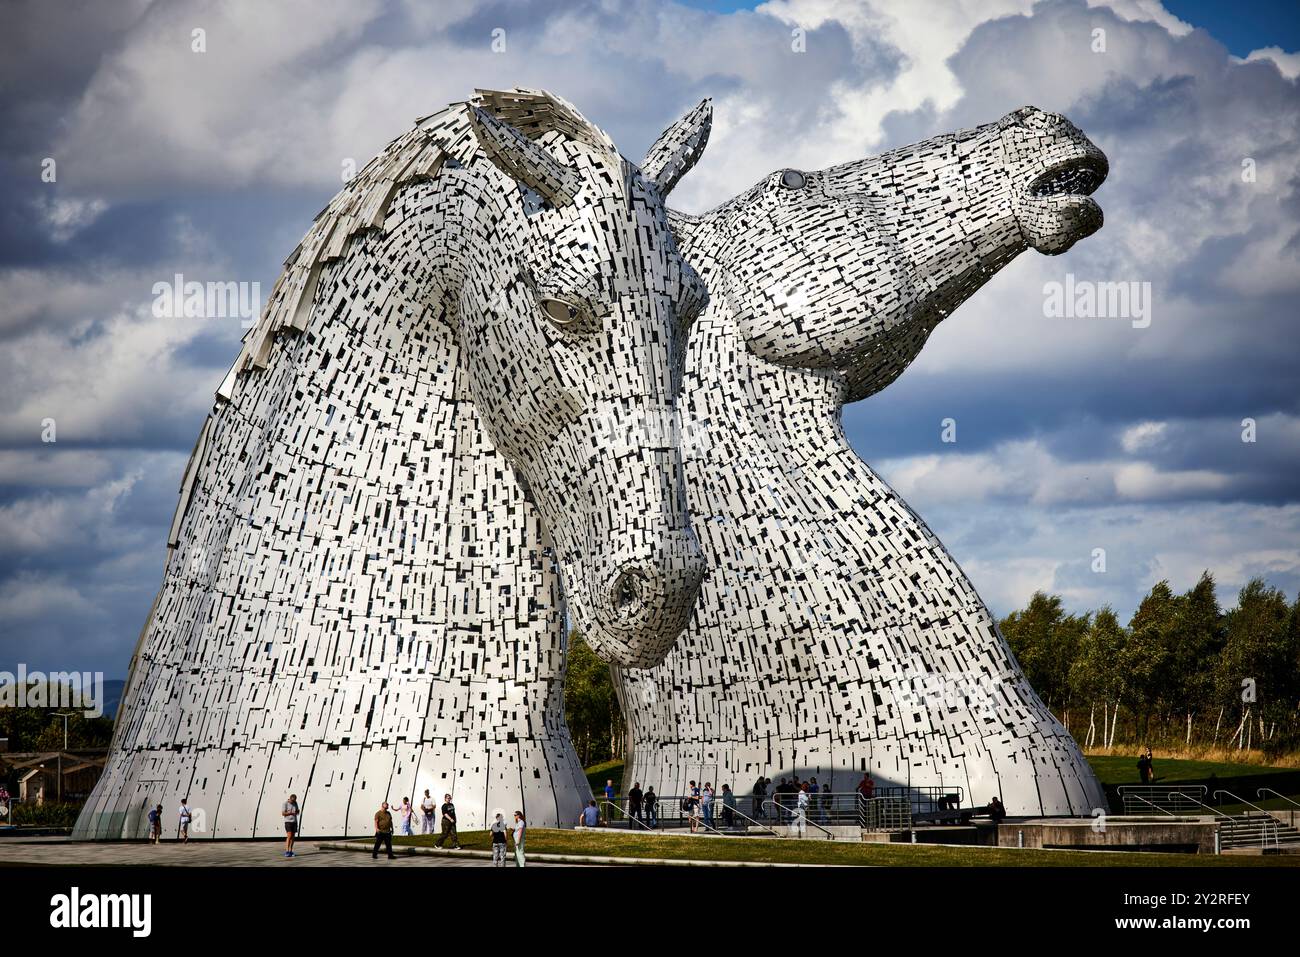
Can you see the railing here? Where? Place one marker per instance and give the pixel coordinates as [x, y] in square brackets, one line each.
[889, 809]
[1290, 811]
[885, 814]
[619, 811]
[1179, 799]
[668, 813]
[1267, 824]
[799, 818]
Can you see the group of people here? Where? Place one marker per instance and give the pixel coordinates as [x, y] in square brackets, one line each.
[184, 818]
[499, 829]
[384, 826]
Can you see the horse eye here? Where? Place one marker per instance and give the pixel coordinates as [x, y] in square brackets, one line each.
[559, 312]
[793, 179]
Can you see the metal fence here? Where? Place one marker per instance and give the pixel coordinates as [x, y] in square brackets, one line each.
[887, 809]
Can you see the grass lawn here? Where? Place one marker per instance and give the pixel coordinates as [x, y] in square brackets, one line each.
[1122, 769]
[618, 843]
[598, 774]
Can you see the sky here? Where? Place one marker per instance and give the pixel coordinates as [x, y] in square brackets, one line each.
[1072, 435]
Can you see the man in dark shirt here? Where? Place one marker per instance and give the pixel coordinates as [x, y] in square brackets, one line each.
[383, 832]
[634, 803]
[448, 824]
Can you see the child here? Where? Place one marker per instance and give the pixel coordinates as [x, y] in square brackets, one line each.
[499, 841]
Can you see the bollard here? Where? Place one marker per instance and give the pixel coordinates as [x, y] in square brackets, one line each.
[1020, 838]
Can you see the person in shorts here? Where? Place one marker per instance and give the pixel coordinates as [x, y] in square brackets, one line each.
[290, 814]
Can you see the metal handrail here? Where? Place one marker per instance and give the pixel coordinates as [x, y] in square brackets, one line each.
[1162, 810]
[1242, 801]
[1260, 793]
[1215, 811]
[739, 812]
[806, 819]
[626, 815]
[1269, 820]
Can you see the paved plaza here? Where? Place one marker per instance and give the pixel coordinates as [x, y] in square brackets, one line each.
[60, 851]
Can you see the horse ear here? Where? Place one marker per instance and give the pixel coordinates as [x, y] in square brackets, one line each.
[678, 148]
[523, 160]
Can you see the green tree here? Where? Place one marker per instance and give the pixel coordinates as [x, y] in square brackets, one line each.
[591, 705]
[1146, 657]
[1195, 643]
[1096, 676]
[1045, 641]
[1256, 677]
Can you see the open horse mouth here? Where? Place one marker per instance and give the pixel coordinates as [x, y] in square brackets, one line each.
[1076, 176]
[1056, 209]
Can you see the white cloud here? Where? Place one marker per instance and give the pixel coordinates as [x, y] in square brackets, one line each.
[1287, 63]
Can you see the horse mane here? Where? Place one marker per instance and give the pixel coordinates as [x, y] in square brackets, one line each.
[418, 155]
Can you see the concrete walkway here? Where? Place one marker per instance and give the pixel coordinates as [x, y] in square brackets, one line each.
[59, 851]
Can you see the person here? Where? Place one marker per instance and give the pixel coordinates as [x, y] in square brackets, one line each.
[828, 801]
[499, 829]
[651, 807]
[693, 807]
[634, 798]
[155, 824]
[290, 814]
[383, 832]
[997, 812]
[814, 796]
[728, 806]
[1151, 766]
[609, 790]
[406, 814]
[799, 824]
[867, 786]
[183, 828]
[427, 808]
[590, 816]
[519, 838]
[778, 797]
[706, 803]
[1144, 768]
[760, 795]
[448, 824]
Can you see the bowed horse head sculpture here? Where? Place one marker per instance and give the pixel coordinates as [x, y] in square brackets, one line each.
[852, 267]
[574, 313]
[361, 590]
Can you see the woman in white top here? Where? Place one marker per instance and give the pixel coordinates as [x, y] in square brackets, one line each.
[519, 838]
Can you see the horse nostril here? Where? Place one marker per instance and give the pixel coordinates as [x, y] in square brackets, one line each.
[629, 593]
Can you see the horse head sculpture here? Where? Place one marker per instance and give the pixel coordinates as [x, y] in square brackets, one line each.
[834, 634]
[851, 267]
[361, 590]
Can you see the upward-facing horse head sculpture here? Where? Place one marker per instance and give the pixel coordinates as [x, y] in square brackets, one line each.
[834, 634]
[850, 268]
[360, 594]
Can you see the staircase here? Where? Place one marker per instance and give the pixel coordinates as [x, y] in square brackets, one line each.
[1256, 830]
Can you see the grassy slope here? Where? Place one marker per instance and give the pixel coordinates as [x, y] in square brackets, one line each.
[617, 843]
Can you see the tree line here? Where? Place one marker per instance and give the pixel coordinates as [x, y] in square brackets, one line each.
[1182, 672]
